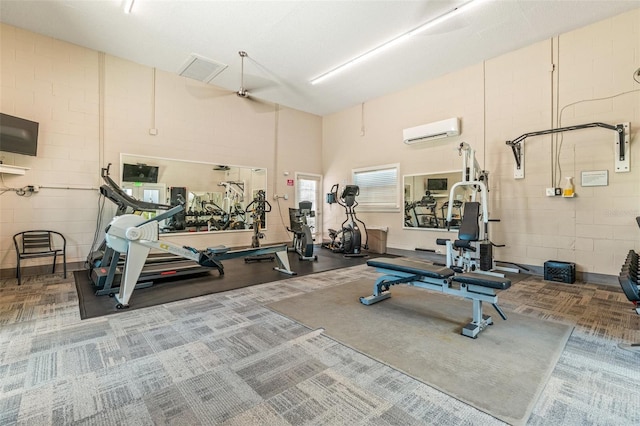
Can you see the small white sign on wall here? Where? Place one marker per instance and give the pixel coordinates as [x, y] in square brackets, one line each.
[595, 178]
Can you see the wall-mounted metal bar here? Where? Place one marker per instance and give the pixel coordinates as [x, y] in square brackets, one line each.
[621, 143]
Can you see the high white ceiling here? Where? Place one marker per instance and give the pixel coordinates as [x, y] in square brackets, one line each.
[291, 42]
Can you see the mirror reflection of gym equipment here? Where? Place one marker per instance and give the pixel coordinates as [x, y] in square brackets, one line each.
[426, 201]
[214, 196]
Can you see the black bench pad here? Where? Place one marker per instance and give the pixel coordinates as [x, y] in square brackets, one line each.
[411, 266]
[483, 280]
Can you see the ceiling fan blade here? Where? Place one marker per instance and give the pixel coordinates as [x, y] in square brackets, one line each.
[260, 105]
[205, 91]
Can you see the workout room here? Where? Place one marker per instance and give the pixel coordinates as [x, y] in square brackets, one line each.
[341, 213]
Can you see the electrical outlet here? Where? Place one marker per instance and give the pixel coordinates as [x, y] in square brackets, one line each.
[551, 192]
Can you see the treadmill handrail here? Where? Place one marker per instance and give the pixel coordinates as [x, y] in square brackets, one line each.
[121, 198]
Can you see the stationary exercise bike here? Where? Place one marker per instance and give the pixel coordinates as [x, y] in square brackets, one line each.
[349, 239]
[302, 237]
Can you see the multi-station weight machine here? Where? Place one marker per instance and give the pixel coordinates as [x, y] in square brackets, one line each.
[472, 251]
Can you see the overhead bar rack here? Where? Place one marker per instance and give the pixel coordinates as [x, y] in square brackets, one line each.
[622, 142]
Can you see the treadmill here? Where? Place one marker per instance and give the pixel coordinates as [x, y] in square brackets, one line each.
[108, 264]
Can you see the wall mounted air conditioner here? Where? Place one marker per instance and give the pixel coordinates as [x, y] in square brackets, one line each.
[436, 130]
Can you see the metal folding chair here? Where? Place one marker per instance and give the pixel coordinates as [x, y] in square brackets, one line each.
[40, 243]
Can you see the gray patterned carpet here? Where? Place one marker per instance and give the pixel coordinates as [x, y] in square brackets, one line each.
[419, 333]
[227, 359]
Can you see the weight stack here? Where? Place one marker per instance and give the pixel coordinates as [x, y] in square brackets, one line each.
[486, 256]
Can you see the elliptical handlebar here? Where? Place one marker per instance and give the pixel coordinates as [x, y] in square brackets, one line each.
[332, 196]
[347, 198]
[261, 204]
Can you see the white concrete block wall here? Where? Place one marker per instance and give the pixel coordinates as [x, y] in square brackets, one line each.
[55, 84]
[58, 85]
[597, 62]
[202, 123]
[456, 95]
[498, 101]
[518, 99]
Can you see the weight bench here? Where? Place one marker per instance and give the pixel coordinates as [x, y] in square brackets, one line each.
[418, 273]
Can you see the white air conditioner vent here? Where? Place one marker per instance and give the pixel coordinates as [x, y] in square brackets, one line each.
[437, 130]
[200, 68]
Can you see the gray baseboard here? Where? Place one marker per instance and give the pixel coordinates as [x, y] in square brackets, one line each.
[7, 273]
[589, 277]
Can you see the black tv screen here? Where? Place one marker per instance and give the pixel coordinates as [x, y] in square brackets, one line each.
[437, 184]
[139, 173]
[18, 135]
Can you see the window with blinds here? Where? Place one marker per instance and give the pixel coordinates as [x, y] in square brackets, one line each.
[378, 187]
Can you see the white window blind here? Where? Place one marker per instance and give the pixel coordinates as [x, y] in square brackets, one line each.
[378, 187]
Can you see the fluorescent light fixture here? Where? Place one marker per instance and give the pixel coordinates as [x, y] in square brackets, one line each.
[128, 5]
[450, 14]
[395, 41]
[361, 58]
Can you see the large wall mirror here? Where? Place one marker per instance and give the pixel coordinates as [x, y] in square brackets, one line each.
[215, 196]
[426, 200]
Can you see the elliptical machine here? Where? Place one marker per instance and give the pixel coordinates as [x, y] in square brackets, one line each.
[302, 237]
[349, 239]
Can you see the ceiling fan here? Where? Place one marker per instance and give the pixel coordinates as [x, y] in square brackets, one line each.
[243, 92]
[257, 83]
[260, 105]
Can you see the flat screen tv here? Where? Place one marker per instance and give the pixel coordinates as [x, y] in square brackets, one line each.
[139, 173]
[437, 184]
[18, 135]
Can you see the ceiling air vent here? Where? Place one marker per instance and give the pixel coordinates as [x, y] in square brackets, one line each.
[200, 68]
